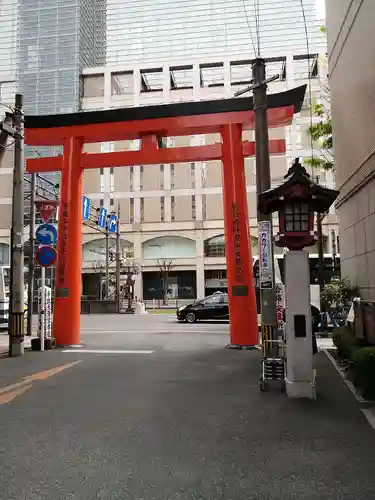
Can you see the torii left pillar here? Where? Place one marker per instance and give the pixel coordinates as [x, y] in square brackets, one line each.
[68, 283]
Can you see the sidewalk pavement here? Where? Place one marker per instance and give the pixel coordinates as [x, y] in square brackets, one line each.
[4, 342]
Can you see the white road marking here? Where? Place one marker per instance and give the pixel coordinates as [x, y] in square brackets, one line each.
[153, 332]
[107, 351]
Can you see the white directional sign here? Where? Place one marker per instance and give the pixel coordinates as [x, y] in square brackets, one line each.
[102, 217]
[112, 225]
[86, 204]
[46, 234]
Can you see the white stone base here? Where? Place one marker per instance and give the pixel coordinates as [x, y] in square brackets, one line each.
[301, 389]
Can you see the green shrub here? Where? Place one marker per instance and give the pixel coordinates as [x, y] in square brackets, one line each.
[345, 342]
[363, 369]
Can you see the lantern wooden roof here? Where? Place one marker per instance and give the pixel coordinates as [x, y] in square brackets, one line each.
[317, 196]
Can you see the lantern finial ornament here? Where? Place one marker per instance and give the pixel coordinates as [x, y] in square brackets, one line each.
[297, 169]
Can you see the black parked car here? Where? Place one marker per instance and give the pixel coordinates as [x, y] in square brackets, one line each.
[212, 307]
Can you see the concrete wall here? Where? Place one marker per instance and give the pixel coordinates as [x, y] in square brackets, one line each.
[351, 53]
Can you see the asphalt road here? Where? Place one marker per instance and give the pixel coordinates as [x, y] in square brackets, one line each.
[184, 420]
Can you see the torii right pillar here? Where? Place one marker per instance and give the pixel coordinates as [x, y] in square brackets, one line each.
[241, 286]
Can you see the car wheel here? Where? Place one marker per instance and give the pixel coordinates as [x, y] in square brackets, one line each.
[190, 318]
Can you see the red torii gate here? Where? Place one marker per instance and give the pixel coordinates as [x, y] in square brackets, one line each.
[227, 117]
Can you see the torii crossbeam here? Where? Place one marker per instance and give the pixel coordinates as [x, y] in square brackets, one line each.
[149, 123]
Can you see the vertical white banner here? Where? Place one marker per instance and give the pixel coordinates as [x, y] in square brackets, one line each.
[265, 260]
[280, 306]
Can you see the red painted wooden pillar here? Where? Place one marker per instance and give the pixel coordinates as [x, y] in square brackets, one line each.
[68, 285]
[241, 289]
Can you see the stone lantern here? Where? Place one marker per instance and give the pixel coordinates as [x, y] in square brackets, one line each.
[296, 200]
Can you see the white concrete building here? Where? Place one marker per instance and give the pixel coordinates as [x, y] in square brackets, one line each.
[176, 211]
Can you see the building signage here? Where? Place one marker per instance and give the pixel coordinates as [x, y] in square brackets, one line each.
[265, 260]
[216, 283]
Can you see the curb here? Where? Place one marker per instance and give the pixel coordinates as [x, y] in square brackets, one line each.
[364, 403]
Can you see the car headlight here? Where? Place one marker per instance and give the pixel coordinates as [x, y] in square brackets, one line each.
[181, 308]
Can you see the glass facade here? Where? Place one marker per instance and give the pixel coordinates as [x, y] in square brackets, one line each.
[163, 30]
[44, 44]
[56, 39]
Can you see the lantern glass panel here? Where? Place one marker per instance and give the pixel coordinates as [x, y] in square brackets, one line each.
[297, 217]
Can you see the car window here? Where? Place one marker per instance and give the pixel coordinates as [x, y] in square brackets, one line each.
[224, 299]
[210, 301]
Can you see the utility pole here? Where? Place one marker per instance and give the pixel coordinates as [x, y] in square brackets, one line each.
[17, 311]
[263, 183]
[30, 286]
[106, 288]
[118, 261]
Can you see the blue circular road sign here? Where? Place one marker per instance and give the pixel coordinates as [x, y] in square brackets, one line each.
[46, 256]
[46, 234]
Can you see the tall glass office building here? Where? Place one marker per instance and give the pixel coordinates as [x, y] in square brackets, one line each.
[44, 44]
[165, 30]
[56, 39]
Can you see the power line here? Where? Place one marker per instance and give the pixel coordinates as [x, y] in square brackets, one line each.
[308, 77]
[257, 24]
[249, 26]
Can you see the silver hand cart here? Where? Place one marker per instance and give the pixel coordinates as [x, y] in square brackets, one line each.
[273, 362]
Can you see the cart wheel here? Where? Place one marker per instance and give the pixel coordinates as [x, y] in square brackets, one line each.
[263, 386]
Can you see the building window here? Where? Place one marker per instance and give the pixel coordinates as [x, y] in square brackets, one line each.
[111, 180]
[172, 176]
[4, 254]
[192, 167]
[141, 169]
[102, 202]
[211, 74]
[152, 80]
[131, 178]
[162, 209]
[142, 215]
[181, 77]
[93, 86]
[306, 66]
[215, 247]
[161, 176]
[193, 208]
[122, 83]
[204, 207]
[203, 175]
[112, 203]
[131, 215]
[173, 208]
[102, 183]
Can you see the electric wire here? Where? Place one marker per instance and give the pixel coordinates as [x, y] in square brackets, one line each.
[309, 82]
[257, 24]
[249, 27]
